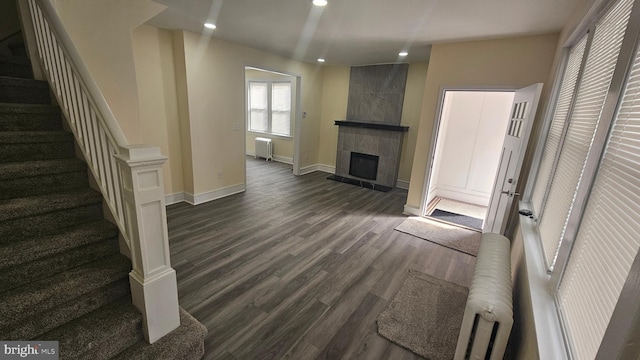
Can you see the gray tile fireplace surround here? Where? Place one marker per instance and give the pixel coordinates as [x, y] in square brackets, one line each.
[374, 110]
[386, 144]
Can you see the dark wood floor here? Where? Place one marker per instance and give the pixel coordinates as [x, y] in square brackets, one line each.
[299, 267]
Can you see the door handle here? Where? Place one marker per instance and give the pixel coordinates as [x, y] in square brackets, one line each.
[507, 192]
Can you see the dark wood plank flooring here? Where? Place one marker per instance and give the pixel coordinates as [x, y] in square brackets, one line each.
[299, 267]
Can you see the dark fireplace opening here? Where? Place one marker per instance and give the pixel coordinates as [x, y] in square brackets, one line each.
[363, 165]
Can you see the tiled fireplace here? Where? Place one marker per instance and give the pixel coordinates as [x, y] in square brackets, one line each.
[370, 140]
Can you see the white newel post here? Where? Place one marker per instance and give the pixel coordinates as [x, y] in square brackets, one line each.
[153, 281]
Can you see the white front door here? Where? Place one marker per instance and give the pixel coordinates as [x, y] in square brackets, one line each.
[523, 111]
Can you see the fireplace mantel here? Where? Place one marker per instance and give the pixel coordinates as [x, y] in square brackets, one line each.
[377, 126]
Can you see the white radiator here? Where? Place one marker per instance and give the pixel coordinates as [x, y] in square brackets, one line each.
[488, 316]
[264, 148]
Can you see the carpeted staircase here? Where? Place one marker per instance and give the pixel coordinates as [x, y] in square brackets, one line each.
[62, 276]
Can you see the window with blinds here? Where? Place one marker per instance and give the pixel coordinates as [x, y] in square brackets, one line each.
[556, 130]
[258, 107]
[270, 107]
[281, 109]
[609, 234]
[591, 94]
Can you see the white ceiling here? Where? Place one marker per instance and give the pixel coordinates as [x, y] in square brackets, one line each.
[358, 32]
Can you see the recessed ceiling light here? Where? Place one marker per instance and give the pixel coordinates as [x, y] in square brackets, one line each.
[320, 60]
[403, 54]
[320, 2]
[210, 26]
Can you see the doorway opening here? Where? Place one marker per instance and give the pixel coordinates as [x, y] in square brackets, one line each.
[465, 155]
[272, 119]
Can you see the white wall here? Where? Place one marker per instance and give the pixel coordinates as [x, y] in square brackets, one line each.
[469, 143]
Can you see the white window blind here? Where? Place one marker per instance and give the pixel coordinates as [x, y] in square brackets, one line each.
[281, 109]
[552, 144]
[609, 234]
[258, 107]
[591, 94]
[270, 107]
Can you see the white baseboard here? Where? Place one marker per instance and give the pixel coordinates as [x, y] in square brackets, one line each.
[278, 158]
[402, 184]
[410, 210]
[326, 168]
[317, 167]
[174, 198]
[283, 159]
[214, 194]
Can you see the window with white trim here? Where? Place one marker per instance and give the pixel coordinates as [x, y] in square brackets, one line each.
[269, 107]
[586, 195]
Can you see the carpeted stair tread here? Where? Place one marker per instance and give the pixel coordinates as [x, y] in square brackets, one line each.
[27, 260]
[28, 91]
[41, 295]
[185, 343]
[40, 168]
[18, 275]
[34, 205]
[18, 108]
[34, 326]
[30, 137]
[29, 178]
[100, 334]
[29, 117]
[17, 47]
[14, 59]
[31, 249]
[47, 223]
[15, 66]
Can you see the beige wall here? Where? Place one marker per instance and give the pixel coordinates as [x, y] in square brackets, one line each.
[211, 99]
[411, 112]
[101, 31]
[335, 92]
[154, 65]
[512, 62]
[282, 146]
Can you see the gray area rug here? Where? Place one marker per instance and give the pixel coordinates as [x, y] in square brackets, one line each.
[425, 316]
[453, 237]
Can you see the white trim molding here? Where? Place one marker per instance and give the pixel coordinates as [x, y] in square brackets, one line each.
[283, 159]
[326, 168]
[317, 167]
[175, 198]
[550, 339]
[214, 194]
[402, 184]
[278, 158]
[410, 210]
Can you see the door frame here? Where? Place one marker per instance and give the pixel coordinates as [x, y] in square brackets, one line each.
[436, 130]
[297, 131]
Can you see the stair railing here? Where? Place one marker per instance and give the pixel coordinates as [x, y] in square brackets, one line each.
[129, 176]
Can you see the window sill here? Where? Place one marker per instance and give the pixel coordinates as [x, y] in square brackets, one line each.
[550, 339]
[257, 133]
